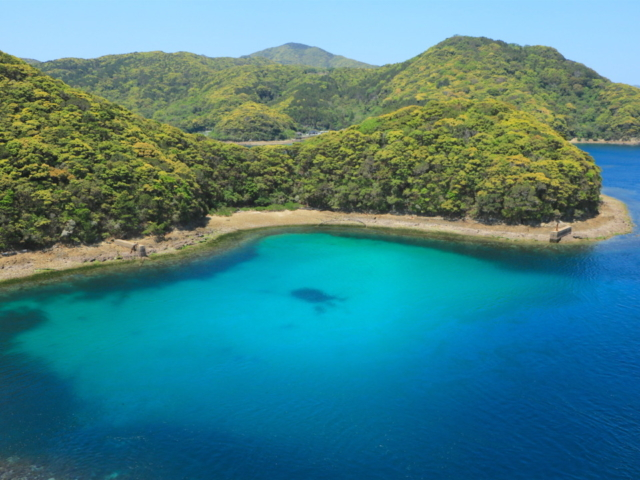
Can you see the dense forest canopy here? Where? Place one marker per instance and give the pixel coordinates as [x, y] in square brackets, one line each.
[456, 158]
[195, 93]
[255, 121]
[31, 61]
[77, 168]
[570, 97]
[299, 54]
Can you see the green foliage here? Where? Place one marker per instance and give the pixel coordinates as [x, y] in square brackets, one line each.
[370, 125]
[567, 95]
[31, 61]
[455, 158]
[195, 93]
[254, 121]
[168, 87]
[224, 211]
[299, 54]
[273, 208]
[77, 168]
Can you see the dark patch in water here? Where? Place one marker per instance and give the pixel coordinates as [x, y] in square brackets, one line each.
[15, 321]
[168, 452]
[313, 295]
[36, 406]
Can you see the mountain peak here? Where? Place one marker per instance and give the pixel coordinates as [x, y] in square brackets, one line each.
[300, 54]
[297, 46]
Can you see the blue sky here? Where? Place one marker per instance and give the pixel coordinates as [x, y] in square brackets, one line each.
[604, 35]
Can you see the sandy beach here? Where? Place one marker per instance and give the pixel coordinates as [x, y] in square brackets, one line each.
[612, 220]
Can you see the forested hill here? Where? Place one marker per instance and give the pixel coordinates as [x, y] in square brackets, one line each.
[169, 87]
[198, 94]
[31, 61]
[567, 95]
[299, 54]
[77, 168]
[456, 158]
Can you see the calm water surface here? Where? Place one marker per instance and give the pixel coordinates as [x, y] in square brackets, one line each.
[338, 355]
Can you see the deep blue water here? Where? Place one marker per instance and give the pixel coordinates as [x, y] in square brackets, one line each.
[338, 354]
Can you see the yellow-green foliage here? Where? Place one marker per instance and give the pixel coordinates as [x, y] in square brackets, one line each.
[77, 168]
[168, 87]
[195, 92]
[299, 54]
[572, 98]
[74, 166]
[254, 121]
[483, 159]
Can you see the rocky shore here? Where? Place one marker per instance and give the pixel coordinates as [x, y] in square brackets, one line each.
[612, 220]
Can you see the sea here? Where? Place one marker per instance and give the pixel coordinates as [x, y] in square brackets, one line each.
[336, 353]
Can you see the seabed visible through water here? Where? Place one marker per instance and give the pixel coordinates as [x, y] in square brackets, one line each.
[337, 354]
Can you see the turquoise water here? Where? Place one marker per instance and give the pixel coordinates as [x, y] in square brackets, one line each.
[337, 354]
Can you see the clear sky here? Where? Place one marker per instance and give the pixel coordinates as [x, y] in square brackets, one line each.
[604, 35]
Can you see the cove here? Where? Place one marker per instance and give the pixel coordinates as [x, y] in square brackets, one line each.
[341, 354]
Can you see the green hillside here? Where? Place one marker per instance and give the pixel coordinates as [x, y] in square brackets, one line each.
[255, 121]
[31, 61]
[168, 87]
[194, 92]
[572, 98]
[299, 54]
[77, 168]
[454, 158]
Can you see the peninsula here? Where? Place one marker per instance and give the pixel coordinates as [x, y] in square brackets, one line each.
[78, 170]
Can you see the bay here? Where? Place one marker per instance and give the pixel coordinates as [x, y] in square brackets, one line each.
[338, 354]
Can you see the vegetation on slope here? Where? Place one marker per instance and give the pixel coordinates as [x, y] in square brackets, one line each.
[31, 61]
[77, 168]
[299, 54]
[168, 87]
[194, 93]
[455, 158]
[254, 121]
[570, 97]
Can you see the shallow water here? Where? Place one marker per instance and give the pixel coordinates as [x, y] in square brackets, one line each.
[338, 355]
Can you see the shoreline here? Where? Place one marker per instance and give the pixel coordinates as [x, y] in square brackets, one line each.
[613, 220]
[633, 142]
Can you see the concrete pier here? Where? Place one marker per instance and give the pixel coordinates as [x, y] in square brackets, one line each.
[136, 248]
[556, 236]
